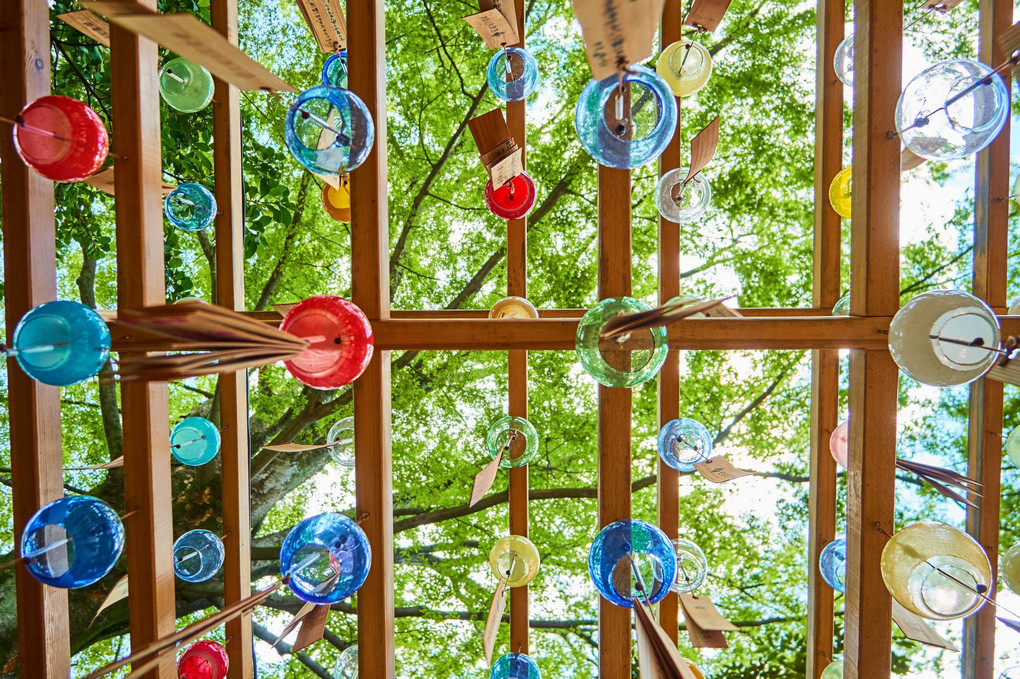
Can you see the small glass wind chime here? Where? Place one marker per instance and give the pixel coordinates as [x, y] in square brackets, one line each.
[949, 111]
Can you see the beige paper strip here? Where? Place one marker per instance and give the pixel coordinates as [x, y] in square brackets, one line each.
[702, 638]
[941, 5]
[88, 24]
[112, 464]
[484, 480]
[705, 614]
[505, 169]
[104, 181]
[189, 37]
[703, 148]
[720, 470]
[706, 14]
[914, 627]
[495, 30]
[119, 591]
[617, 33]
[493, 620]
[299, 447]
[909, 160]
[658, 657]
[507, 9]
[327, 22]
[294, 622]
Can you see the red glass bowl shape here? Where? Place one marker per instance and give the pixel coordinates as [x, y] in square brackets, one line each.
[340, 339]
[203, 660]
[514, 199]
[61, 138]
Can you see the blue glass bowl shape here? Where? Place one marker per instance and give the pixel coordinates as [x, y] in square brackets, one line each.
[649, 550]
[194, 441]
[641, 136]
[190, 207]
[85, 538]
[623, 361]
[334, 71]
[329, 130]
[61, 343]
[952, 109]
[684, 442]
[832, 564]
[523, 74]
[515, 666]
[198, 555]
[327, 558]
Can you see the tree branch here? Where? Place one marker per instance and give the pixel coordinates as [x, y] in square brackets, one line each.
[283, 648]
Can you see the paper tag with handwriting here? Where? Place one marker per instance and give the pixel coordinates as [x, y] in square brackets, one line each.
[720, 470]
[705, 614]
[617, 33]
[326, 20]
[88, 24]
[484, 480]
[505, 169]
[495, 30]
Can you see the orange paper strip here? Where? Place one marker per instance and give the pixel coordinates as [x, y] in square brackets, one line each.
[706, 14]
[703, 148]
[312, 629]
[493, 620]
[720, 470]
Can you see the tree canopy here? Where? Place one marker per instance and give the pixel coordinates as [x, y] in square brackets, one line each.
[448, 252]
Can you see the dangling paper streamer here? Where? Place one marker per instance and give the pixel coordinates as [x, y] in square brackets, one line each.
[88, 24]
[493, 620]
[654, 318]
[720, 470]
[299, 447]
[499, 153]
[112, 464]
[705, 625]
[313, 628]
[617, 33]
[703, 148]
[706, 14]
[119, 591]
[104, 181]
[326, 20]
[484, 480]
[914, 627]
[657, 656]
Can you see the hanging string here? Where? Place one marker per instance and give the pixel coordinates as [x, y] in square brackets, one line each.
[20, 122]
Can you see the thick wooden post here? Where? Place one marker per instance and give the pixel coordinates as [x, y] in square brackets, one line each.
[517, 285]
[233, 387]
[985, 428]
[29, 280]
[140, 282]
[824, 363]
[874, 261]
[371, 291]
[668, 485]
[614, 412]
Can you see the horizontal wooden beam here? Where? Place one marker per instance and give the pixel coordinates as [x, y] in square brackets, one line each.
[271, 315]
[704, 333]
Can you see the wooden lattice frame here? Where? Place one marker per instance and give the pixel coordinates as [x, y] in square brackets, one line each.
[34, 409]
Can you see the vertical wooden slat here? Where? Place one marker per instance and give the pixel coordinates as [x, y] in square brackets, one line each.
[614, 411]
[986, 396]
[30, 280]
[824, 363]
[874, 262]
[371, 291]
[140, 282]
[233, 387]
[668, 485]
[517, 285]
